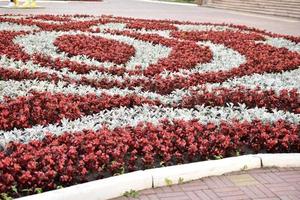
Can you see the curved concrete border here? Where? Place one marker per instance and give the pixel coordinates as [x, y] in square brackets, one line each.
[116, 186]
[97, 190]
[280, 160]
[188, 172]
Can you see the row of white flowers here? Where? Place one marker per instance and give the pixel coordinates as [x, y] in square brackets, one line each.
[119, 117]
[269, 81]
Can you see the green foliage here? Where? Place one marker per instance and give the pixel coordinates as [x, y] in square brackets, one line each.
[180, 180]
[27, 190]
[218, 157]
[14, 189]
[5, 196]
[131, 193]
[168, 182]
[59, 187]
[122, 171]
[38, 190]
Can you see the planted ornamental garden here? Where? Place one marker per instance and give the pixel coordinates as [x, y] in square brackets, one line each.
[84, 98]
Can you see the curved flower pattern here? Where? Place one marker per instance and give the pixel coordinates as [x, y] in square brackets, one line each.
[84, 97]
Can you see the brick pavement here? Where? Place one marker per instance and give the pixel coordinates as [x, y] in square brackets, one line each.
[258, 184]
[141, 9]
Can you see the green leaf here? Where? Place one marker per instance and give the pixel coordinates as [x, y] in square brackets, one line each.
[38, 190]
[168, 182]
[14, 189]
[131, 193]
[180, 180]
[5, 196]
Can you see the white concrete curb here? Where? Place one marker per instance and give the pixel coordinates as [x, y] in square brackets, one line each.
[188, 172]
[116, 186]
[280, 160]
[99, 190]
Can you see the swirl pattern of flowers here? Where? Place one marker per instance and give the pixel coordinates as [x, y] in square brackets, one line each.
[84, 98]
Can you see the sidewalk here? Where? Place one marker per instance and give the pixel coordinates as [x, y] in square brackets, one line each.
[150, 10]
[259, 184]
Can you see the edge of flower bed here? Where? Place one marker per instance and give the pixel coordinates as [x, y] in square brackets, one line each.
[116, 186]
[100, 189]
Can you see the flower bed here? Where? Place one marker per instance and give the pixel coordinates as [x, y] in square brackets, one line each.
[84, 98]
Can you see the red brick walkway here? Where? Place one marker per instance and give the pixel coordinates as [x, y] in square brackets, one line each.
[273, 183]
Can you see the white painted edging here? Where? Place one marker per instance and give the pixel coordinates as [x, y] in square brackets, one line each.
[99, 190]
[188, 172]
[116, 186]
[280, 160]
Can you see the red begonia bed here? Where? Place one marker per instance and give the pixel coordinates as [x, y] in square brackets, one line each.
[84, 98]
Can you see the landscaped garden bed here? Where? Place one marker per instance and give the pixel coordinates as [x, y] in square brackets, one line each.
[84, 98]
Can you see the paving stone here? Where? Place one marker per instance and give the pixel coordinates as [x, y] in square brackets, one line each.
[243, 180]
[142, 9]
[206, 194]
[263, 184]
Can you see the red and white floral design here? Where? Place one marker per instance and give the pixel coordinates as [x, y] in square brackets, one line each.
[84, 97]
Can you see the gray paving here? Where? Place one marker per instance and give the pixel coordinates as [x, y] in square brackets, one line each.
[145, 9]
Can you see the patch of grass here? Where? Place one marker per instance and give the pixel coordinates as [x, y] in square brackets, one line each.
[180, 180]
[168, 182]
[131, 193]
